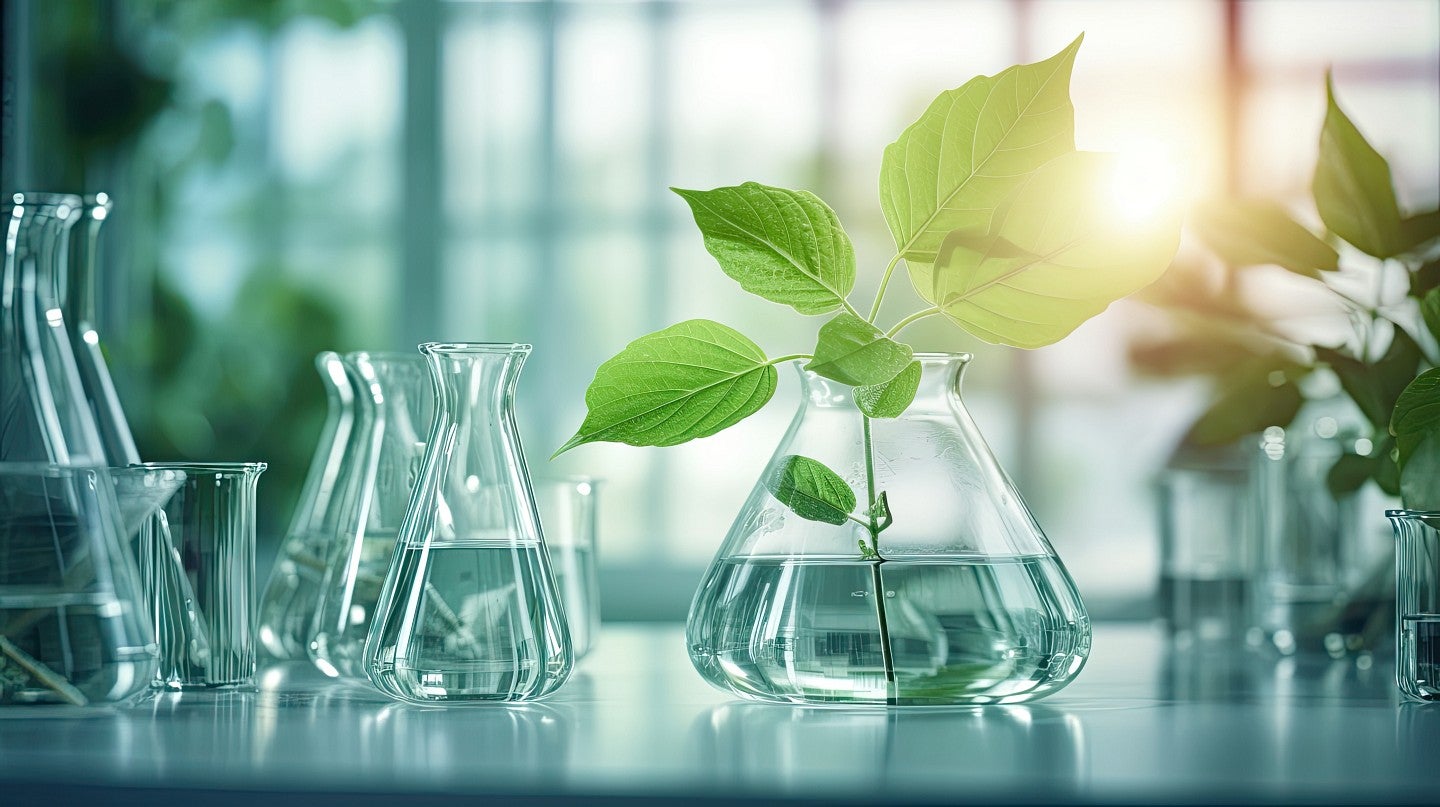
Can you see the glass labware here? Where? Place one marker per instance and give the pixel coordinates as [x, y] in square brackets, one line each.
[394, 410]
[470, 611]
[288, 605]
[1417, 602]
[72, 627]
[570, 522]
[967, 602]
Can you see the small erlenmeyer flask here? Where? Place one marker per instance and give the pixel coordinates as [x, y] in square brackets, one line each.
[44, 416]
[470, 611]
[287, 608]
[395, 407]
[71, 619]
[944, 591]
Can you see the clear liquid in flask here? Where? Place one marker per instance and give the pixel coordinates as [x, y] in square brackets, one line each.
[476, 631]
[961, 629]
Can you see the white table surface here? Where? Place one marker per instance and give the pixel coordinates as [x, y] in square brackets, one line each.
[1143, 722]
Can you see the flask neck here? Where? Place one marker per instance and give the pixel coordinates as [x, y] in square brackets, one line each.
[78, 286]
[474, 381]
[36, 245]
[939, 389]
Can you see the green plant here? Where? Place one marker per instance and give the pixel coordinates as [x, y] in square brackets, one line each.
[1260, 369]
[1005, 229]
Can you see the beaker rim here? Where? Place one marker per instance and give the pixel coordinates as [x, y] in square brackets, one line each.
[220, 468]
[474, 347]
[1405, 513]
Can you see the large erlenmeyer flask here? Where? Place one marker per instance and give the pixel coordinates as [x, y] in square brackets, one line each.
[965, 602]
[44, 416]
[394, 410]
[470, 611]
[287, 608]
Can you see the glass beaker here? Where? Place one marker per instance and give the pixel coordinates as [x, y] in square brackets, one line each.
[287, 608]
[569, 522]
[203, 530]
[1417, 602]
[44, 416]
[72, 628]
[960, 600]
[470, 612]
[394, 410]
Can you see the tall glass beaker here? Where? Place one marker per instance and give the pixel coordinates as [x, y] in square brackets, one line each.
[941, 591]
[471, 612]
[287, 608]
[44, 416]
[1417, 602]
[395, 407]
[72, 627]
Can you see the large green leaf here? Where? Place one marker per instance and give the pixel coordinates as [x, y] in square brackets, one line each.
[1058, 255]
[813, 491]
[786, 246]
[1430, 310]
[1349, 473]
[1376, 387]
[1420, 477]
[1251, 232]
[1418, 409]
[852, 351]
[689, 380]
[1352, 186]
[966, 153]
[892, 398]
[1419, 230]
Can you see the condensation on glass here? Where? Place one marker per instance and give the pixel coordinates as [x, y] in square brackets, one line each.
[967, 604]
[471, 612]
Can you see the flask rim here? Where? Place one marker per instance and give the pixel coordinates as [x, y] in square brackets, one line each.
[45, 199]
[1403, 513]
[382, 356]
[217, 468]
[433, 348]
[52, 470]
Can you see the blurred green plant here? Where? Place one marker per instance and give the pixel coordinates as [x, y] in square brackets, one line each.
[1257, 369]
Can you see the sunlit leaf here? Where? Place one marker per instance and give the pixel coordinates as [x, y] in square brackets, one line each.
[852, 351]
[892, 398]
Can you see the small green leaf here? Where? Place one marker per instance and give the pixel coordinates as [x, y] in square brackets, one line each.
[1387, 474]
[866, 552]
[1352, 186]
[1420, 477]
[1418, 409]
[1418, 230]
[879, 512]
[1430, 309]
[968, 151]
[1350, 472]
[786, 246]
[1059, 254]
[892, 398]
[1259, 395]
[813, 491]
[1253, 233]
[852, 351]
[690, 380]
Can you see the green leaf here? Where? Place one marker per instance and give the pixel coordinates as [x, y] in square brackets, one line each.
[1425, 278]
[879, 512]
[786, 246]
[951, 168]
[1376, 387]
[1349, 473]
[813, 491]
[1060, 254]
[1418, 230]
[1387, 474]
[890, 399]
[1352, 186]
[1430, 310]
[1253, 233]
[1418, 409]
[1259, 395]
[852, 351]
[689, 380]
[1420, 477]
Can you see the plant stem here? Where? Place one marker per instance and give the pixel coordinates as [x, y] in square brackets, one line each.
[880, 293]
[918, 315]
[791, 357]
[877, 580]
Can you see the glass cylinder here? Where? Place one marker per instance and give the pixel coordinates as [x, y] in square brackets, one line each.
[569, 519]
[44, 416]
[470, 611]
[959, 600]
[204, 530]
[288, 605]
[395, 406]
[1417, 602]
[72, 627]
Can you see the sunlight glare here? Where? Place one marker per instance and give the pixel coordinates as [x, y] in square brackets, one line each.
[1147, 182]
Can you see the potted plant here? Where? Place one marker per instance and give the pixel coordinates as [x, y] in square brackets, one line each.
[884, 556]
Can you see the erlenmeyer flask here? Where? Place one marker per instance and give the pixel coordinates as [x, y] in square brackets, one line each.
[287, 608]
[965, 602]
[43, 413]
[71, 620]
[470, 611]
[395, 407]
